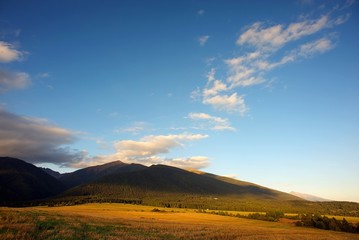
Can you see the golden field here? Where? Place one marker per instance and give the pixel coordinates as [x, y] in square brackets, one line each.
[124, 221]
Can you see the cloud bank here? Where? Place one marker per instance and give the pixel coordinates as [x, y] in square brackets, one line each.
[36, 140]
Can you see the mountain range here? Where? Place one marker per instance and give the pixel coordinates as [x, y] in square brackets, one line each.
[23, 184]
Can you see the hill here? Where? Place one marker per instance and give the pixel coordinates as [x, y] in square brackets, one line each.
[22, 181]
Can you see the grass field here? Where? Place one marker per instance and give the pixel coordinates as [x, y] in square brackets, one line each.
[120, 221]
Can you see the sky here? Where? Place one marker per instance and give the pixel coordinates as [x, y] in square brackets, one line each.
[262, 91]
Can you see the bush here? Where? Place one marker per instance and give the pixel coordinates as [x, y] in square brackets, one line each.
[269, 216]
[317, 221]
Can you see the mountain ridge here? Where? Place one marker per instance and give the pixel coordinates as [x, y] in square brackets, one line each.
[166, 179]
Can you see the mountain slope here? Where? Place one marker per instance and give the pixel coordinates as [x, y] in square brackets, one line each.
[21, 181]
[160, 180]
[89, 174]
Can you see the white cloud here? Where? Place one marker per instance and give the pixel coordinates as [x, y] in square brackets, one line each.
[303, 51]
[9, 53]
[230, 103]
[10, 80]
[36, 140]
[213, 86]
[153, 145]
[200, 12]
[212, 122]
[205, 116]
[212, 95]
[211, 75]
[244, 72]
[216, 87]
[319, 46]
[203, 40]
[149, 150]
[276, 36]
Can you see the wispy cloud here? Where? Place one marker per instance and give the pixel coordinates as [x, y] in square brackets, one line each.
[135, 128]
[261, 45]
[203, 40]
[36, 140]
[211, 122]
[274, 37]
[149, 150]
[249, 69]
[200, 12]
[43, 75]
[11, 80]
[9, 53]
[229, 103]
[219, 96]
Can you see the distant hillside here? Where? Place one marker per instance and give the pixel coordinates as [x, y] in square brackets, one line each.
[89, 174]
[309, 197]
[21, 181]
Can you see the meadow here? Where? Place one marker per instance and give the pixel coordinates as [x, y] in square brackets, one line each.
[126, 221]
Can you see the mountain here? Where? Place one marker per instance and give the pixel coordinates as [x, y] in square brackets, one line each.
[51, 172]
[309, 197]
[89, 174]
[22, 181]
[161, 182]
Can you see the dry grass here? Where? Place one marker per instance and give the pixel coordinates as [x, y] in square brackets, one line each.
[119, 221]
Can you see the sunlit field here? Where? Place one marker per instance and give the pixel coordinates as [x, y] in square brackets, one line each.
[124, 221]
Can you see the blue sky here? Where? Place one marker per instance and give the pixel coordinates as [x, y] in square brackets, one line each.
[264, 92]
